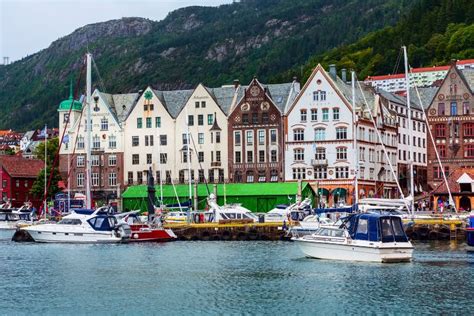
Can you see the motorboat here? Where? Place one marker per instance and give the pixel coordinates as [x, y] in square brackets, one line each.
[82, 226]
[295, 212]
[366, 237]
[176, 217]
[11, 218]
[228, 212]
[144, 231]
[309, 225]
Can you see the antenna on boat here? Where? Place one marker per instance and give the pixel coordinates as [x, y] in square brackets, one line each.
[410, 132]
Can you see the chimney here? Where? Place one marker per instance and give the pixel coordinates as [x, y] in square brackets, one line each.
[344, 75]
[332, 71]
[236, 83]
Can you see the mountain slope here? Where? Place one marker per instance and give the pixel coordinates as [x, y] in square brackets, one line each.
[435, 32]
[191, 45]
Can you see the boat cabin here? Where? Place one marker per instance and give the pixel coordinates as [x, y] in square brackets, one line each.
[376, 227]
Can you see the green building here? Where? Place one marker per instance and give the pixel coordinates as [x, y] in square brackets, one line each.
[257, 197]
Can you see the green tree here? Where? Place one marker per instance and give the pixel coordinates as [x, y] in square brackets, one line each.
[38, 187]
[52, 150]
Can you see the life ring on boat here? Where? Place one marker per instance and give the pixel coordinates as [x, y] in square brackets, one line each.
[135, 236]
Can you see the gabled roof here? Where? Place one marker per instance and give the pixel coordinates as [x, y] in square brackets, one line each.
[468, 74]
[119, 104]
[224, 96]
[453, 181]
[426, 95]
[173, 101]
[367, 92]
[280, 94]
[19, 167]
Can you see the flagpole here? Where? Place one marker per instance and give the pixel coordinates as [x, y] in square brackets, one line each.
[45, 166]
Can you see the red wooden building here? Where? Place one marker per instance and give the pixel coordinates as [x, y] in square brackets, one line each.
[17, 176]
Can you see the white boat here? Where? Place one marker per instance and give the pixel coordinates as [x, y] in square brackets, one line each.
[295, 212]
[228, 212]
[309, 225]
[82, 226]
[365, 237]
[11, 218]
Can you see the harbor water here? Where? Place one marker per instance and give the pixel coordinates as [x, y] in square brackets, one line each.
[215, 278]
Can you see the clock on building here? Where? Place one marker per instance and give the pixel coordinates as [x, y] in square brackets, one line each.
[254, 91]
[441, 96]
[433, 112]
[245, 107]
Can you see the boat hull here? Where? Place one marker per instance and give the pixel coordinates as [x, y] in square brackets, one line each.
[389, 252]
[144, 233]
[43, 234]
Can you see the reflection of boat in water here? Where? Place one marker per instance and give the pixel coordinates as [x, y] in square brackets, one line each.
[295, 212]
[143, 231]
[82, 226]
[362, 237]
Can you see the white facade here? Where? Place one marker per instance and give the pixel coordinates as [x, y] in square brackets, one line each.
[149, 141]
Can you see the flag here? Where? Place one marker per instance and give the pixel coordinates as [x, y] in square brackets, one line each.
[66, 139]
[44, 132]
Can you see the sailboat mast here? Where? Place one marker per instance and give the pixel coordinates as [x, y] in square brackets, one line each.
[88, 127]
[45, 168]
[410, 132]
[354, 141]
[188, 144]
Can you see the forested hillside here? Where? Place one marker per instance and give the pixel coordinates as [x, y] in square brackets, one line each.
[192, 45]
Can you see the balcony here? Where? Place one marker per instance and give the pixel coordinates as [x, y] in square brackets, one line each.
[216, 164]
[319, 162]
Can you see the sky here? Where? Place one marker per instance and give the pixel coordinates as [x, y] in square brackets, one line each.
[27, 26]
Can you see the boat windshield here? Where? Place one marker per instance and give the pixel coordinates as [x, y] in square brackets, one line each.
[104, 223]
[328, 232]
[70, 221]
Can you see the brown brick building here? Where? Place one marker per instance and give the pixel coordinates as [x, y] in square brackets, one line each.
[255, 132]
[451, 121]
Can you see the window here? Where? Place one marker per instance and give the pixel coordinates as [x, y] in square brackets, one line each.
[299, 154]
[299, 173]
[468, 129]
[255, 118]
[203, 104]
[146, 140]
[104, 124]
[335, 114]
[274, 175]
[218, 156]
[342, 172]
[158, 121]
[303, 115]
[245, 119]
[319, 95]
[465, 108]
[135, 141]
[440, 130]
[112, 141]
[200, 120]
[238, 157]
[273, 136]
[261, 137]
[139, 177]
[95, 160]
[149, 159]
[325, 115]
[210, 119]
[112, 160]
[298, 134]
[211, 175]
[249, 137]
[185, 139]
[80, 179]
[250, 176]
[81, 161]
[319, 134]
[148, 122]
[314, 115]
[163, 158]
[441, 150]
[200, 138]
[265, 118]
[151, 140]
[112, 179]
[438, 174]
[17, 183]
[469, 151]
[196, 104]
[190, 120]
[273, 155]
[320, 153]
[201, 175]
[341, 133]
[321, 172]
[341, 153]
[80, 142]
[95, 179]
[96, 142]
[249, 156]
[454, 108]
[261, 156]
[237, 138]
[184, 156]
[130, 178]
[139, 122]
[163, 140]
[218, 137]
[135, 159]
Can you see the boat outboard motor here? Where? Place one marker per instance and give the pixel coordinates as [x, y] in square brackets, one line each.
[122, 230]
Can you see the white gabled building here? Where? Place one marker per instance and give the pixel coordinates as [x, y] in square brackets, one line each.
[319, 139]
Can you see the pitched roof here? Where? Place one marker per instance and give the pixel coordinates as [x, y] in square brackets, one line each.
[346, 90]
[19, 167]
[224, 96]
[468, 74]
[173, 101]
[120, 104]
[426, 95]
[452, 181]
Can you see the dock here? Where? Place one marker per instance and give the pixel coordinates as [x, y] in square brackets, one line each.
[435, 229]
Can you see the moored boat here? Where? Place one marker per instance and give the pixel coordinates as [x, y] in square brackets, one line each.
[143, 231]
[362, 237]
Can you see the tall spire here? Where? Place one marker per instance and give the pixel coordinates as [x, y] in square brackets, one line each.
[71, 96]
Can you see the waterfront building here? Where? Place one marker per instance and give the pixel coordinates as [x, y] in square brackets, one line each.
[17, 176]
[420, 77]
[319, 139]
[256, 132]
[108, 112]
[150, 138]
[451, 120]
[461, 186]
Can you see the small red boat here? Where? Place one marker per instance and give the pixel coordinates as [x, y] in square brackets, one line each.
[142, 231]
